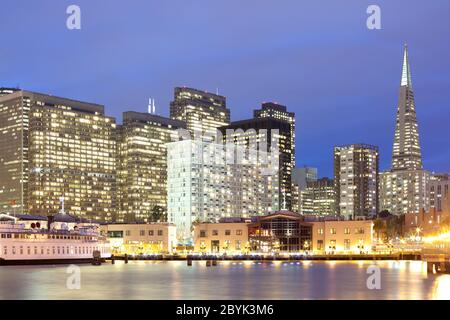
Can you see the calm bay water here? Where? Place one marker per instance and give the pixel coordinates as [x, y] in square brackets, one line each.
[229, 280]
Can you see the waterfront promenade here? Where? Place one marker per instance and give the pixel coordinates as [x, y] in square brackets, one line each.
[270, 257]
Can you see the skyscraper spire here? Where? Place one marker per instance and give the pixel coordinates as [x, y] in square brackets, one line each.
[406, 154]
[406, 71]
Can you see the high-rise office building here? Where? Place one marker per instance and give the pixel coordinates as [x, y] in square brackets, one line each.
[279, 112]
[301, 176]
[202, 111]
[54, 148]
[14, 124]
[317, 198]
[356, 180]
[439, 191]
[302, 197]
[404, 188]
[406, 154]
[270, 133]
[205, 183]
[142, 166]
[302, 200]
[324, 196]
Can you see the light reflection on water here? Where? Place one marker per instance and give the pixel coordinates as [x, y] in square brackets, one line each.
[229, 280]
[441, 290]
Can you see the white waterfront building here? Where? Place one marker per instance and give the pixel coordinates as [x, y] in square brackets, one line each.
[206, 182]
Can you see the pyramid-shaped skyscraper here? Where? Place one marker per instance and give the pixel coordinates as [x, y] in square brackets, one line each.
[404, 188]
[406, 153]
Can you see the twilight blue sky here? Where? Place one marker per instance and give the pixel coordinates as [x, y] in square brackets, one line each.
[316, 56]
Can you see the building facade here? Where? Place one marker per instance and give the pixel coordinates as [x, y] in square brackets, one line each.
[206, 184]
[277, 111]
[302, 200]
[284, 232]
[439, 191]
[142, 166]
[58, 148]
[324, 197]
[426, 223]
[301, 176]
[404, 188]
[405, 191]
[227, 237]
[141, 239]
[342, 236]
[356, 180]
[281, 231]
[14, 125]
[203, 112]
[317, 198]
[269, 135]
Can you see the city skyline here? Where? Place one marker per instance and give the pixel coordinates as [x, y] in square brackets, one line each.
[224, 158]
[299, 64]
[405, 79]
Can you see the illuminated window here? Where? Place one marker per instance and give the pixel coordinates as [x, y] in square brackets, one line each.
[319, 244]
[332, 245]
[346, 244]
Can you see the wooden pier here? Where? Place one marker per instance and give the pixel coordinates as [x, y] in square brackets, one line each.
[278, 257]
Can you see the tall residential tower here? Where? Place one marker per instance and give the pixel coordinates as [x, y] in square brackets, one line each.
[356, 180]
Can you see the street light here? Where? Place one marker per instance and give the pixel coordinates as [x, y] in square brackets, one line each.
[418, 231]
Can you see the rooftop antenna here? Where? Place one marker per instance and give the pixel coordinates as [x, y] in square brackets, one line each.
[150, 105]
